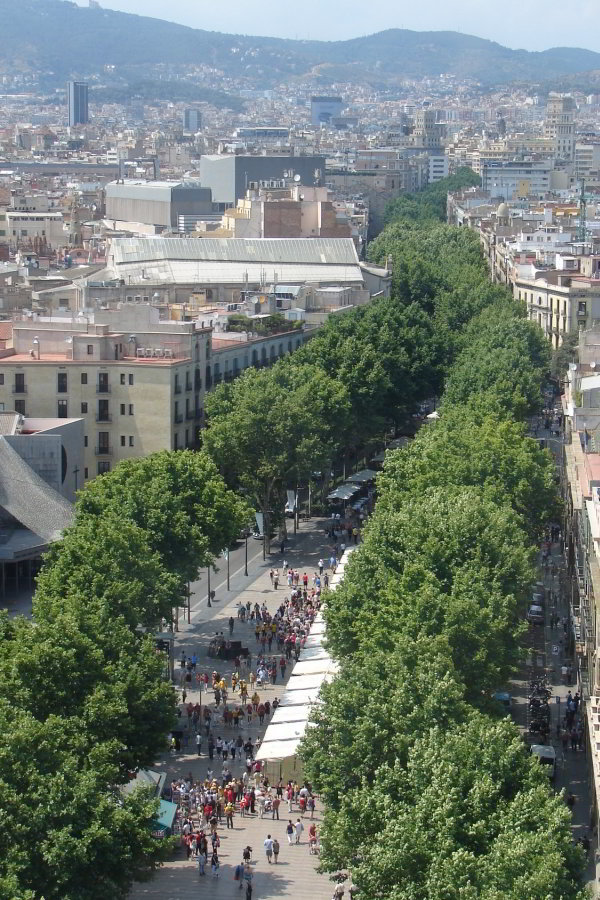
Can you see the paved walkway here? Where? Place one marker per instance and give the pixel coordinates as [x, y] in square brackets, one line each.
[295, 875]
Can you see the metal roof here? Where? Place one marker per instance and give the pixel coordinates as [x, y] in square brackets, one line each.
[314, 251]
[29, 498]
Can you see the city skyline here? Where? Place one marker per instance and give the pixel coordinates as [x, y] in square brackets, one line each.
[505, 24]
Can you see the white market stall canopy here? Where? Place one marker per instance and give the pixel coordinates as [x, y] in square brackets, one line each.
[343, 492]
[277, 749]
[363, 476]
[301, 698]
[314, 640]
[290, 714]
[313, 653]
[286, 731]
[316, 667]
[304, 682]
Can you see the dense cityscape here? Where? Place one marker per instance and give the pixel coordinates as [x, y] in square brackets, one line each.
[299, 464]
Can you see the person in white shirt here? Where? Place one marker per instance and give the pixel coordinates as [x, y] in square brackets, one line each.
[268, 844]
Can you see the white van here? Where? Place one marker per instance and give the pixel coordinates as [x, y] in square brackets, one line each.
[546, 756]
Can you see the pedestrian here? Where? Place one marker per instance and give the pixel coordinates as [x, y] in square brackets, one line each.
[276, 850]
[289, 830]
[231, 624]
[299, 827]
[198, 742]
[310, 805]
[214, 864]
[238, 874]
[321, 564]
[268, 844]
[276, 579]
[275, 807]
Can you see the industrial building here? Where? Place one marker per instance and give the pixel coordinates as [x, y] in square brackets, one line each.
[156, 203]
[223, 267]
[229, 176]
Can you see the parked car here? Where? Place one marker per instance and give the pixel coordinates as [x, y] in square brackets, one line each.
[546, 756]
[536, 615]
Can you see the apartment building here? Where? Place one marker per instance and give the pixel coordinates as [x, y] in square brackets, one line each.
[560, 301]
[137, 382]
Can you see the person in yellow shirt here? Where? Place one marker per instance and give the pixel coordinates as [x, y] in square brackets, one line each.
[255, 700]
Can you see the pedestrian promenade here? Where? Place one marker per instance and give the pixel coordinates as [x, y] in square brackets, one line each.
[295, 874]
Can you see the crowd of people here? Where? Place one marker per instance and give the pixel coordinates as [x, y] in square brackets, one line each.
[221, 722]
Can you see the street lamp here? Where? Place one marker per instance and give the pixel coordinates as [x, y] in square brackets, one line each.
[246, 553]
[208, 603]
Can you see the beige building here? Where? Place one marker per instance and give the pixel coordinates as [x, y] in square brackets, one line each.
[559, 301]
[294, 212]
[559, 126]
[137, 382]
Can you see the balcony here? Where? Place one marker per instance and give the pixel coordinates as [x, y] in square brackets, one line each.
[178, 418]
[103, 388]
[19, 389]
[103, 417]
[104, 450]
[188, 385]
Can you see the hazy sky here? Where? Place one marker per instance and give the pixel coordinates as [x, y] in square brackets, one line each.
[530, 24]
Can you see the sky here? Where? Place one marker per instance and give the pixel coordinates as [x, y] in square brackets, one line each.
[527, 24]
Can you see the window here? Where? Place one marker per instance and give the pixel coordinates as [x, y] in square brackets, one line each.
[131, 440]
[85, 473]
[122, 409]
[103, 466]
[19, 406]
[131, 379]
[84, 408]
[176, 441]
[62, 409]
[123, 378]
[1, 378]
[85, 441]
[20, 383]
[103, 385]
[103, 413]
[84, 377]
[62, 383]
[90, 349]
[122, 440]
[131, 409]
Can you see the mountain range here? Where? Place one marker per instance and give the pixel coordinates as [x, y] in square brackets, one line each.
[67, 40]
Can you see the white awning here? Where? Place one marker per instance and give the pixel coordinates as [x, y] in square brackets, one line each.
[313, 653]
[316, 667]
[277, 749]
[304, 682]
[301, 699]
[363, 476]
[298, 713]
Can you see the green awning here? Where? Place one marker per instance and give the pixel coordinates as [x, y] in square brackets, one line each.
[165, 818]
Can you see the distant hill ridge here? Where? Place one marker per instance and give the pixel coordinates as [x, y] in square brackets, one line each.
[76, 41]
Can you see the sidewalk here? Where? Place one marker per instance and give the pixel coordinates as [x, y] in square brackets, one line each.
[295, 876]
[573, 772]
